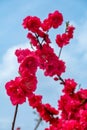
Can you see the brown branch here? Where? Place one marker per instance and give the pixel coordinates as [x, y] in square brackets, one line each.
[14, 119]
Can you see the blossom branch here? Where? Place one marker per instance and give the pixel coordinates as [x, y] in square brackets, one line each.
[14, 119]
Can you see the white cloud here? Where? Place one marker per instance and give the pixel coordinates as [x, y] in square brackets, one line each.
[9, 65]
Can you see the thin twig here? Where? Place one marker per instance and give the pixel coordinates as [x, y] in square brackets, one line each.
[38, 123]
[67, 24]
[61, 79]
[14, 119]
[37, 37]
[60, 52]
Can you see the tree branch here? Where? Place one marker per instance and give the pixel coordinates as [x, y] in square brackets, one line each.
[14, 119]
[60, 52]
[38, 123]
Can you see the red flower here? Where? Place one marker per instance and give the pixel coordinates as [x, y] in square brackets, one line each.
[55, 68]
[28, 66]
[70, 30]
[28, 84]
[82, 93]
[47, 112]
[69, 86]
[62, 40]
[71, 125]
[50, 62]
[55, 19]
[21, 54]
[46, 25]
[21, 87]
[69, 106]
[50, 109]
[43, 55]
[14, 90]
[32, 23]
[35, 100]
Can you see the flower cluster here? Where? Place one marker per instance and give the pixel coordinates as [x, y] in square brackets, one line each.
[71, 113]
[64, 39]
[73, 108]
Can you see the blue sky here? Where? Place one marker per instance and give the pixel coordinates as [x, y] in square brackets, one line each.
[12, 36]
